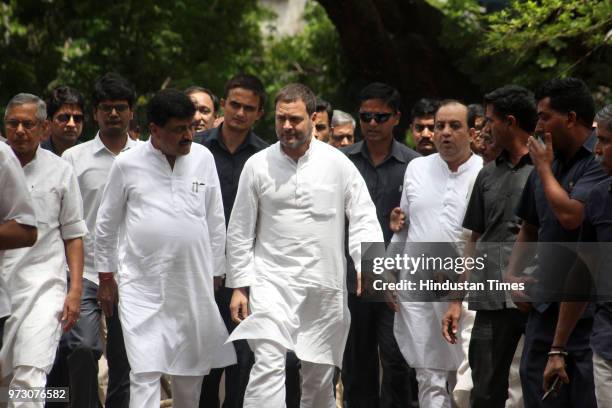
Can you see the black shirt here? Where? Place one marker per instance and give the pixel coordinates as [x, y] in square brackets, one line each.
[577, 176]
[229, 165]
[490, 212]
[385, 183]
[597, 227]
[48, 145]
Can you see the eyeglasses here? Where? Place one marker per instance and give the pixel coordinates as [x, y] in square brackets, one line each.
[13, 124]
[419, 128]
[320, 127]
[378, 117]
[122, 107]
[65, 118]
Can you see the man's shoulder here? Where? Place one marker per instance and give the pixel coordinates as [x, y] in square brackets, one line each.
[79, 149]
[405, 152]
[353, 149]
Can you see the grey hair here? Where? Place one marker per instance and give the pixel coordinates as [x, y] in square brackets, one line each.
[604, 117]
[25, 99]
[342, 118]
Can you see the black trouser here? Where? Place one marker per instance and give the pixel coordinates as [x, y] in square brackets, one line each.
[371, 332]
[237, 375]
[495, 336]
[580, 392]
[76, 362]
[2, 322]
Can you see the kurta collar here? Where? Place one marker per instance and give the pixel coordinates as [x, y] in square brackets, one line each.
[99, 145]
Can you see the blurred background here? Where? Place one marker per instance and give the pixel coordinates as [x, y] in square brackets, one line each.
[425, 48]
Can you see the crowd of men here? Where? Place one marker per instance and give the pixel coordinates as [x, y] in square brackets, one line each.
[204, 252]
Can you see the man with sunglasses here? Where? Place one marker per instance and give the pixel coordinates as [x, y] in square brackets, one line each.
[422, 126]
[113, 99]
[65, 110]
[382, 161]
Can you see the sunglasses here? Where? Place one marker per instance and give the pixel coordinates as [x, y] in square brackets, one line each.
[320, 127]
[378, 117]
[419, 128]
[65, 118]
[122, 107]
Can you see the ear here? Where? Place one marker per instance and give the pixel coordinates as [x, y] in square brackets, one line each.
[153, 129]
[222, 103]
[572, 119]
[512, 120]
[398, 116]
[260, 113]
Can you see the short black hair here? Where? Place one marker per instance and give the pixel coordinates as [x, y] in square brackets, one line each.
[64, 95]
[516, 101]
[168, 104]
[386, 93]
[196, 89]
[475, 110]
[297, 92]
[250, 82]
[424, 107]
[323, 105]
[569, 95]
[112, 86]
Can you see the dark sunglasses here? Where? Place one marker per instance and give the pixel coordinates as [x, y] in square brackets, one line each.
[320, 127]
[122, 107]
[419, 128]
[378, 117]
[65, 118]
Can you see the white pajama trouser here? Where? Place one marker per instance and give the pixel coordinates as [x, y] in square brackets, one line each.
[26, 378]
[266, 386]
[433, 388]
[145, 391]
[602, 373]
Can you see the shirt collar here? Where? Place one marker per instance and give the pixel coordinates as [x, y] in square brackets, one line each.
[99, 145]
[362, 148]
[504, 158]
[215, 135]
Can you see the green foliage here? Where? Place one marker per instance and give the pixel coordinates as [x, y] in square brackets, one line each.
[531, 41]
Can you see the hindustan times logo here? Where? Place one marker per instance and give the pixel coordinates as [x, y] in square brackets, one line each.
[413, 264]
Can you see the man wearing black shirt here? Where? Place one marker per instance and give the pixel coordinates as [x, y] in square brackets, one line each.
[552, 208]
[65, 110]
[382, 162]
[596, 227]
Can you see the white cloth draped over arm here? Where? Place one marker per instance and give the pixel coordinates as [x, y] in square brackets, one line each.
[241, 231]
[361, 213]
[215, 221]
[111, 214]
[16, 203]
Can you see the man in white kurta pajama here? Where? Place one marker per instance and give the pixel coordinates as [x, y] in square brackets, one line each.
[36, 276]
[285, 246]
[164, 198]
[435, 196]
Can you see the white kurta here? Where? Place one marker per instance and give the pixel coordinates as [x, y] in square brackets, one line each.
[434, 200]
[91, 162]
[173, 242]
[15, 204]
[36, 276]
[286, 242]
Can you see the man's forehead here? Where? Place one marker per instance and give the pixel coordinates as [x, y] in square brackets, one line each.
[346, 128]
[113, 102]
[452, 111]
[28, 109]
[379, 103]
[321, 117]
[69, 108]
[293, 107]
[429, 119]
[242, 95]
[201, 98]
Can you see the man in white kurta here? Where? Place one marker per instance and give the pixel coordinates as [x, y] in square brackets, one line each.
[17, 218]
[164, 198]
[435, 196]
[286, 249]
[36, 276]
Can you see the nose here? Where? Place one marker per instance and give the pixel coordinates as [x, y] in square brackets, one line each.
[427, 133]
[345, 141]
[71, 121]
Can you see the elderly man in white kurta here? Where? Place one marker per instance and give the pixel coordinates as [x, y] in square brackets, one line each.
[435, 196]
[164, 197]
[36, 276]
[285, 254]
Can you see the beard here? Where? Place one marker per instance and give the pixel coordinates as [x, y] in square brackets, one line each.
[299, 138]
